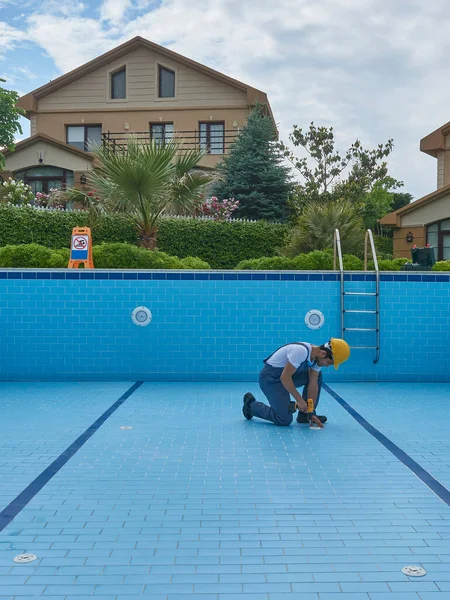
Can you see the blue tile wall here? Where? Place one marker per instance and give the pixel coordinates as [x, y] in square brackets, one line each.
[212, 326]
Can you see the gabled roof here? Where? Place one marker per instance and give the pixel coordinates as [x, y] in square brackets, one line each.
[41, 137]
[435, 141]
[393, 218]
[28, 102]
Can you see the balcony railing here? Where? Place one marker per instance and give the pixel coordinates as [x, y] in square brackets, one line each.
[215, 143]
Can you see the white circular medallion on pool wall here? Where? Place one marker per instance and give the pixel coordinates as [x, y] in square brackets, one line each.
[314, 319]
[141, 316]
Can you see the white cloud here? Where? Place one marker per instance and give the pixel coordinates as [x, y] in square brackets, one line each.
[373, 69]
[114, 10]
[84, 39]
[10, 37]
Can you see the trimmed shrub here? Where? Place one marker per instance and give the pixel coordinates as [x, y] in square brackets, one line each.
[192, 262]
[273, 263]
[319, 260]
[126, 256]
[442, 265]
[384, 265]
[352, 263]
[312, 261]
[29, 256]
[401, 261]
[222, 245]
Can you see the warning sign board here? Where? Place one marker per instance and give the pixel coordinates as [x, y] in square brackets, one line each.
[81, 248]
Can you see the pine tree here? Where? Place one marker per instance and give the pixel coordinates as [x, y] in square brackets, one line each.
[253, 173]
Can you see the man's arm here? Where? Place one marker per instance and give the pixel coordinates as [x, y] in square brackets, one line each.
[286, 380]
[313, 385]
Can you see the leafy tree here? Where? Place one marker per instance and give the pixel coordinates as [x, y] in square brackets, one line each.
[334, 175]
[375, 204]
[401, 199]
[253, 173]
[143, 182]
[9, 120]
[316, 226]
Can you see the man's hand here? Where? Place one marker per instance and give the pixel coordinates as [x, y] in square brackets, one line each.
[302, 406]
[316, 421]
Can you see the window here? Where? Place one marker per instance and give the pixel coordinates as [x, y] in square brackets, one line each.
[438, 237]
[43, 179]
[119, 84]
[161, 132]
[84, 137]
[166, 83]
[212, 137]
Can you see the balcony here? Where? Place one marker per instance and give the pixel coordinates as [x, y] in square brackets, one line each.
[213, 139]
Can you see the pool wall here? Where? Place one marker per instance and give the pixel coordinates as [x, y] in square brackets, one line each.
[213, 326]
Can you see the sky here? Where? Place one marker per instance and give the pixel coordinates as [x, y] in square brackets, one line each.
[371, 69]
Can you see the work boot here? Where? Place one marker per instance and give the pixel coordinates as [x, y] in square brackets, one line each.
[246, 409]
[303, 418]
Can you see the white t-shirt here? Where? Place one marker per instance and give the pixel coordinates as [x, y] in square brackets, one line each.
[295, 354]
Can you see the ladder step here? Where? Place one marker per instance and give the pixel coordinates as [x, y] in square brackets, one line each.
[358, 329]
[372, 312]
[360, 293]
[364, 347]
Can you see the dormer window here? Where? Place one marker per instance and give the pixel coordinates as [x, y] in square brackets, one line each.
[166, 83]
[119, 84]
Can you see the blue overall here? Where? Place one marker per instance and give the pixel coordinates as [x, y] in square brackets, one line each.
[277, 395]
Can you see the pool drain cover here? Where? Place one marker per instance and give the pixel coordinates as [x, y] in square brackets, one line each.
[126, 427]
[413, 571]
[24, 558]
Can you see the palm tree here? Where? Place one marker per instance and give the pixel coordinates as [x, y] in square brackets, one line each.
[317, 223]
[144, 181]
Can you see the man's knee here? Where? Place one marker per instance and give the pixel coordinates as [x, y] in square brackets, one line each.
[283, 420]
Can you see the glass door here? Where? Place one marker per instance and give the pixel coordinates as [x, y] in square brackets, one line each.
[445, 236]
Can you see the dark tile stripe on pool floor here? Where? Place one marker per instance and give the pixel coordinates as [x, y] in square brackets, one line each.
[17, 505]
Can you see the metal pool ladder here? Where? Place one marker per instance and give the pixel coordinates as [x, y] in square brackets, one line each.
[376, 294]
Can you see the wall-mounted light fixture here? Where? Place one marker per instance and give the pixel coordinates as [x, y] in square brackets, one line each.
[409, 237]
[83, 179]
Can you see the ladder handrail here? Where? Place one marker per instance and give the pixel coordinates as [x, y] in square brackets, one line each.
[337, 246]
[369, 236]
[338, 250]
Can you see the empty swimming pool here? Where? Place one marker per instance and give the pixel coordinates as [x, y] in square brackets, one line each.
[164, 491]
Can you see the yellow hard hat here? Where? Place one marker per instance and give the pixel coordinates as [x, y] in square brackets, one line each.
[340, 350]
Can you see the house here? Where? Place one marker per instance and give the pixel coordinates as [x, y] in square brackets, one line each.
[427, 220]
[139, 89]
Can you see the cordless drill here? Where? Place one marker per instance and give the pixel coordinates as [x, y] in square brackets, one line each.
[311, 411]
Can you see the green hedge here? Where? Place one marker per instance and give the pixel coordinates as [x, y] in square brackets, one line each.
[106, 256]
[53, 229]
[222, 244]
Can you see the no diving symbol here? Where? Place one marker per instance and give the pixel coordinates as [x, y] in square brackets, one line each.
[79, 243]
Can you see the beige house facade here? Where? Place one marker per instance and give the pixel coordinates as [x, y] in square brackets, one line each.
[427, 220]
[138, 89]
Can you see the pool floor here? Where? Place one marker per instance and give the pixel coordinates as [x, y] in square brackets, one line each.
[164, 491]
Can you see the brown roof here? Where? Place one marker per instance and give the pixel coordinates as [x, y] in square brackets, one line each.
[46, 138]
[393, 218]
[435, 141]
[28, 102]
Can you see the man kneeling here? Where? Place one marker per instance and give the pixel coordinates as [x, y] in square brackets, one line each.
[291, 366]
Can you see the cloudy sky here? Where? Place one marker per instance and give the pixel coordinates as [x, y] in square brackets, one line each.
[373, 69]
